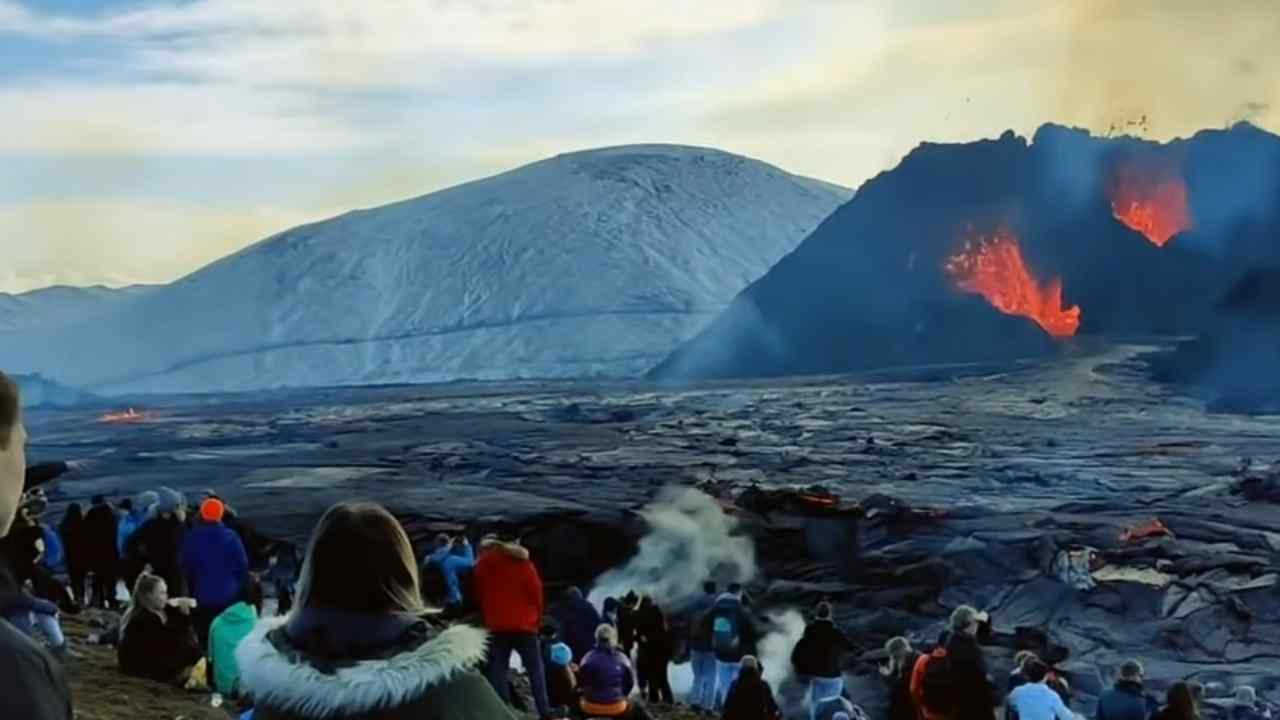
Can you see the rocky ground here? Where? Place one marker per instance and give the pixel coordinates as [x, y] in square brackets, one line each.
[1030, 491]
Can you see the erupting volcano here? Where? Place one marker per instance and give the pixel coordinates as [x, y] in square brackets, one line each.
[992, 266]
[1152, 201]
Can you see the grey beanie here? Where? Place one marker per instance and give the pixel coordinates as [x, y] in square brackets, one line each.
[145, 500]
[169, 500]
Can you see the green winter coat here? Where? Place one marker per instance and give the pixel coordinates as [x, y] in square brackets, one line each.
[228, 629]
[428, 675]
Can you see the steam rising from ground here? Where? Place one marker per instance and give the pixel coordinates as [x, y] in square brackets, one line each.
[691, 540]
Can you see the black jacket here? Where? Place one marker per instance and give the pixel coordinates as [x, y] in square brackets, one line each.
[1126, 701]
[32, 685]
[159, 543]
[975, 695]
[901, 705]
[819, 650]
[157, 650]
[750, 698]
[99, 532]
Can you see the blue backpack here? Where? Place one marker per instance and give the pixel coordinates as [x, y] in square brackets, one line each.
[724, 633]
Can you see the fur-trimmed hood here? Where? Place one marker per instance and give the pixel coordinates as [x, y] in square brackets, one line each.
[288, 683]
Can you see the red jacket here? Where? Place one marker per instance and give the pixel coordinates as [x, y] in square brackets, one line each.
[509, 592]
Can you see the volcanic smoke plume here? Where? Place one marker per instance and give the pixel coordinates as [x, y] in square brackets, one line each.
[992, 266]
[1151, 198]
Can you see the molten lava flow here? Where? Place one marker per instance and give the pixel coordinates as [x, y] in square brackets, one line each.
[1151, 200]
[126, 416]
[992, 266]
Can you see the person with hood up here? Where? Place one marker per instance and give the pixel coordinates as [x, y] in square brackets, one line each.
[655, 649]
[102, 558]
[158, 542]
[355, 643]
[225, 635]
[509, 592]
[897, 677]
[607, 679]
[156, 641]
[72, 531]
[733, 636]
[750, 697]
[1034, 700]
[816, 657]
[1128, 699]
[702, 657]
[578, 621]
[974, 693]
[215, 565]
[32, 684]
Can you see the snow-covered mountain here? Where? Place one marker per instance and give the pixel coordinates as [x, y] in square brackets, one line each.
[61, 305]
[597, 263]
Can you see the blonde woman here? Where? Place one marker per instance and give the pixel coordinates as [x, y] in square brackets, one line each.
[156, 640]
[897, 677]
[355, 643]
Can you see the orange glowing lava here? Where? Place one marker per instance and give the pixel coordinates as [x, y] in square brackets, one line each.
[992, 266]
[125, 416]
[1151, 200]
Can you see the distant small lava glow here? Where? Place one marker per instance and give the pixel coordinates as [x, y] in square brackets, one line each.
[992, 266]
[1151, 200]
[122, 417]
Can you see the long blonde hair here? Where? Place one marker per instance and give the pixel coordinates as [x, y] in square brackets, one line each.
[359, 559]
[142, 587]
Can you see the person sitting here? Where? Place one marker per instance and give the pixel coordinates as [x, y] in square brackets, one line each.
[750, 697]
[1180, 704]
[1033, 700]
[156, 640]
[562, 683]
[897, 677]
[225, 634]
[355, 643]
[607, 680]
[1127, 701]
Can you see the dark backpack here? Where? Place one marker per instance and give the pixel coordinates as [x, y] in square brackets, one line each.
[724, 633]
[938, 686]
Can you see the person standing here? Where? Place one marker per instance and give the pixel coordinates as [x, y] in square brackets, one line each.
[215, 566]
[974, 691]
[1180, 704]
[733, 636]
[578, 621]
[1033, 700]
[72, 531]
[1127, 700]
[817, 656]
[102, 556]
[454, 558]
[653, 637]
[897, 678]
[158, 542]
[32, 684]
[702, 656]
[509, 592]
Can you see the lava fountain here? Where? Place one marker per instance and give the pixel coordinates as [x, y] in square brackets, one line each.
[992, 266]
[1151, 199]
[123, 417]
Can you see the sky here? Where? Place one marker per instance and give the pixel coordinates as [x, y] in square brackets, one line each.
[143, 139]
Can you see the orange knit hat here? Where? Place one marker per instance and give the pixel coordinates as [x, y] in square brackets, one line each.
[211, 510]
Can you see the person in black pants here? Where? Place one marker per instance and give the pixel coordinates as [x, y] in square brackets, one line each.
[654, 639]
[102, 557]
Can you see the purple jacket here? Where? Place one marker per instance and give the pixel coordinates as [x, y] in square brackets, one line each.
[606, 676]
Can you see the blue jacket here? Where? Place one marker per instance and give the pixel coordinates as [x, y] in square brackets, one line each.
[699, 640]
[451, 564]
[129, 524]
[54, 557]
[215, 564]
[1126, 701]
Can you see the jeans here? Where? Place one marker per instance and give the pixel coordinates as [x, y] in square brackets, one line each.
[498, 668]
[823, 689]
[704, 679]
[726, 674]
[26, 622]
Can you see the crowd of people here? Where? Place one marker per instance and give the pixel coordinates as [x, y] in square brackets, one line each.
[355, 637]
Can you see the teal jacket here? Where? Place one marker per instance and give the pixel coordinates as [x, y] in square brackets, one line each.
[228, 629]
